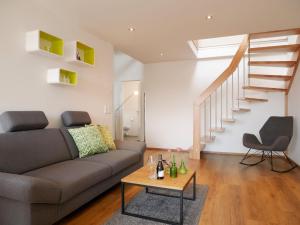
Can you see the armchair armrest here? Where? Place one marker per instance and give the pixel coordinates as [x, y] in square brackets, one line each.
[250, 140]
[281, 143]
[28, 189]
[136, 146]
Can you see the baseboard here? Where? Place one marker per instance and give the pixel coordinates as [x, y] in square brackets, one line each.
[202, 152]
[208, 152]
[223, 153]
[168, 149]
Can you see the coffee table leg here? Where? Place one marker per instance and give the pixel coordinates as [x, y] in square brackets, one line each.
[123, 197]
[181, 208]
[194, 187]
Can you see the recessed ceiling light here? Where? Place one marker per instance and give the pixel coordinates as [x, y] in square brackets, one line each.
[131, 29]
[209, 17]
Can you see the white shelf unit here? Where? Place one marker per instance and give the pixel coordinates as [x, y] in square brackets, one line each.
[76, 49]
[44, 43]
[62, 77]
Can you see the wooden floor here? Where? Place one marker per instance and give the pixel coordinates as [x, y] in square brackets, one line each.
[237, 195]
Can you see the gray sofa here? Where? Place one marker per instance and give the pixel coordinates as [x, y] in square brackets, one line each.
[41, 177]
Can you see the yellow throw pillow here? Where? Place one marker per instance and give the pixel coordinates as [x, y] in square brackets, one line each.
[107, 136]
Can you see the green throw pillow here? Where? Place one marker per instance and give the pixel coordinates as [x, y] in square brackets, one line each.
[88, 141]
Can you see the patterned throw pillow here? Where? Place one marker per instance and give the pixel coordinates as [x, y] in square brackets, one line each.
[88, 141]
[106, 135]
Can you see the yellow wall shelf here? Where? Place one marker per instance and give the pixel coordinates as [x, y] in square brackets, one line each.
[44, 43]
[62, 76]
[80, 53]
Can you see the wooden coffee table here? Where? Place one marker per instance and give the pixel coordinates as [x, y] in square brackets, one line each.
[140, 177]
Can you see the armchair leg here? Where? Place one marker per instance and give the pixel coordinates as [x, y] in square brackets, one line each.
[293, 165]
[248, 156]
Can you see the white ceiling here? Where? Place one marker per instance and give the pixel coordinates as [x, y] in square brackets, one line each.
[166, 25]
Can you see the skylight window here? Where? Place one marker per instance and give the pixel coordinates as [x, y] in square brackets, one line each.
[228, 45]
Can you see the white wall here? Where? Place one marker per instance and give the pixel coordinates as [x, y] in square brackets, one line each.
[126, 68]
[23, 83]
[294, 149]
[293, 108]
[171, 88]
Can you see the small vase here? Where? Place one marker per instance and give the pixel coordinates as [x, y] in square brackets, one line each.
[182, 168]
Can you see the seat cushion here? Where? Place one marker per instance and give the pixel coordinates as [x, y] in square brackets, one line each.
[117, 160]
[136, 146]
[73, 176]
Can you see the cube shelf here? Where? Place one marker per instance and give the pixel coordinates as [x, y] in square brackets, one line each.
[62, 76]
[79, 53]
[44, 43]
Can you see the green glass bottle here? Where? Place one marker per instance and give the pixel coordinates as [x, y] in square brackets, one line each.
[182, 168]
[173, 169]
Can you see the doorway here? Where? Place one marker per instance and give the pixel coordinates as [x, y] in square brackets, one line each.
[130, 112]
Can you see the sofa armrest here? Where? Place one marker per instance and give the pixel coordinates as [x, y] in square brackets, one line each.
[28, 189]
[136, 146]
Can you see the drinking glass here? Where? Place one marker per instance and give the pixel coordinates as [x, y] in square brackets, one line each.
[151, 165]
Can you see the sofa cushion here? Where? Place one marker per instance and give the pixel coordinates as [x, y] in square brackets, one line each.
[12, 121]
[89, 140]
[73, 176]
[136, 146]
[70, 142]
[28, 150]
[117, 160]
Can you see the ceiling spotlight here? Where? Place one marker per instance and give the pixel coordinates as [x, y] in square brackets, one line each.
[131, 29]
[209, 17]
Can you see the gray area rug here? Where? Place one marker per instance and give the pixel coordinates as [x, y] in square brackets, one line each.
[162, 207]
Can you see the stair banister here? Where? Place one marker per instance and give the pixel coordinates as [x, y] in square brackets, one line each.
[195, 151]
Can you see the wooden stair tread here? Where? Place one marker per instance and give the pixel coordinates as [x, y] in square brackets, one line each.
[251, 99]
[217, 129]
[278, 48]
[277, 33]
[228, 120]
[266, 89]
[270, 77]
[273, 63]
[241, 109]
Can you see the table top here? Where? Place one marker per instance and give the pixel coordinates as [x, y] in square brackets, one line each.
[141, 177]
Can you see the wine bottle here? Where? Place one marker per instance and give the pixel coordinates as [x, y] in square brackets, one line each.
[160, 172]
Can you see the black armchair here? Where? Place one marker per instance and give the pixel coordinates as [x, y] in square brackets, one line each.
[276, 135]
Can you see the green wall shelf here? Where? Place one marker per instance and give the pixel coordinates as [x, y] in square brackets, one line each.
[80, 53]
[44, 43]
[62, 76]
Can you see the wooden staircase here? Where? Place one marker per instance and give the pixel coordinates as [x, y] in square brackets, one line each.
[217, 105]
